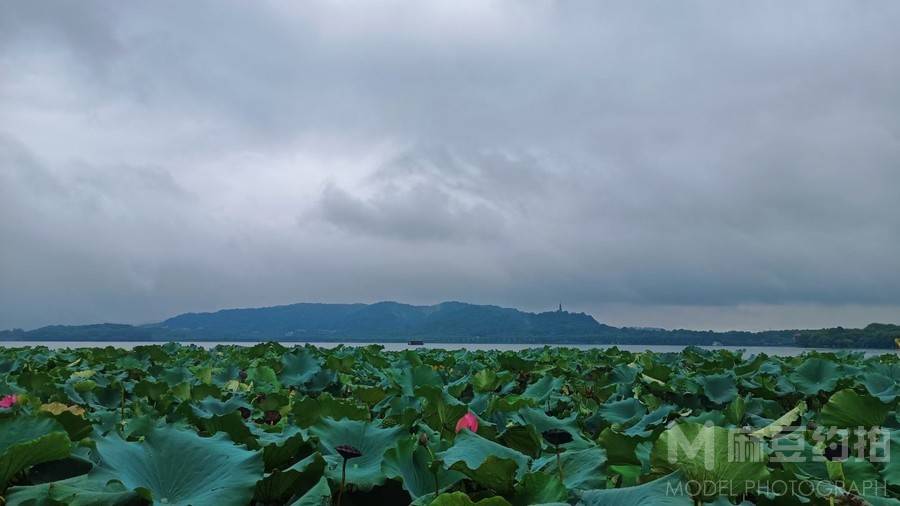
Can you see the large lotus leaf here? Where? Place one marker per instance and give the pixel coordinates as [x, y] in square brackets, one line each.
[75, 425]
[582, 469]
[441, 409]
[485, 380]
[515, 362]
[652, 419]
[461, 499]
[175, 375]
[542, 422]
[26, 441]
[523, 438]
[318, 495]
[177, 466]
[891, 470]
[539, 488]
[411, 463]
[542, 390]
[488, 463]
[719, 388]
[308, 411]
[282, 484]
[883, 387]
[368, 437]
[666, 491]
[411, 377]
[624, 374]
[891, 370]
[622, 412]
[799, 457]
[727, 459]
[263, 378]
[298, 368]
[848, 409]
[213, 415]
[620, 448]
[786, 420]
[815, 375]
[96, 489]
[859, 476]
[282, 447]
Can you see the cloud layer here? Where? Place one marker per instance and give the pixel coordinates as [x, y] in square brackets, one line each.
[672, 164]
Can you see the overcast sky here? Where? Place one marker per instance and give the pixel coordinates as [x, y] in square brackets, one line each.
[677, 164]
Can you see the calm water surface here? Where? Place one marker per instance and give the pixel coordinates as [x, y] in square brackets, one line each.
[748, 350]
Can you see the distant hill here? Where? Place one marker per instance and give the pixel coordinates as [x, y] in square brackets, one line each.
[381, 321]
[445, 322]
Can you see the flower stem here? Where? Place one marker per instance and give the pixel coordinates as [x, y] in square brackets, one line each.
[559, 466]
[343, 479]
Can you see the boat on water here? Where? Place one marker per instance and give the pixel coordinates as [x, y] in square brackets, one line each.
[414, 342]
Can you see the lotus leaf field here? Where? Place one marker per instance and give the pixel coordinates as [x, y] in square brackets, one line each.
[268, 424]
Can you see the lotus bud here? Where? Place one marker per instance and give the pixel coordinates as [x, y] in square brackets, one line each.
[467, 421]
[8, 401]
[348, 452]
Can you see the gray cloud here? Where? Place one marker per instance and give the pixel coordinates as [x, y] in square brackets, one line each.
[652, 162]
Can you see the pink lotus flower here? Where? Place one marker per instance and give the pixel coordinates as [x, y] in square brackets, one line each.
[467, 421]
[7, 401]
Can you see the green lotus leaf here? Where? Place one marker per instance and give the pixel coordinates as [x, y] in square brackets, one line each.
[139, 426]
[719, 388]
[318, 495]
[734, 413]
[649, 421]
[784, 421]
[282, 447]
[542, 422]
[815, 375]
[281, 484]
[77, 427]
[891, 470]
[859, 476]
[582, 469]
[411, 463]
[848, 409]
[263, 378]
[410, 378]
[523, 438]
[309, 411]
[620, 448]
[666, 491]
[97, 489]
[370, 438]
[176, 466]
[26, 441]
[883, 387]
[539, 488]
[622, 412]
[461, 499]
[727, 459]
[543, 390]
[485, 380]
[488, 463]
[298, 368]
[175, 375]
[441, 409]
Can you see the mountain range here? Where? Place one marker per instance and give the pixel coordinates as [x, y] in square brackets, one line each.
[445, 322]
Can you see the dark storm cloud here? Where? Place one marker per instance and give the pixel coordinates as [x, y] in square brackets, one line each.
[644, 161]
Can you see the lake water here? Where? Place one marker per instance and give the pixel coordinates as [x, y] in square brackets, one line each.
[748, 350]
